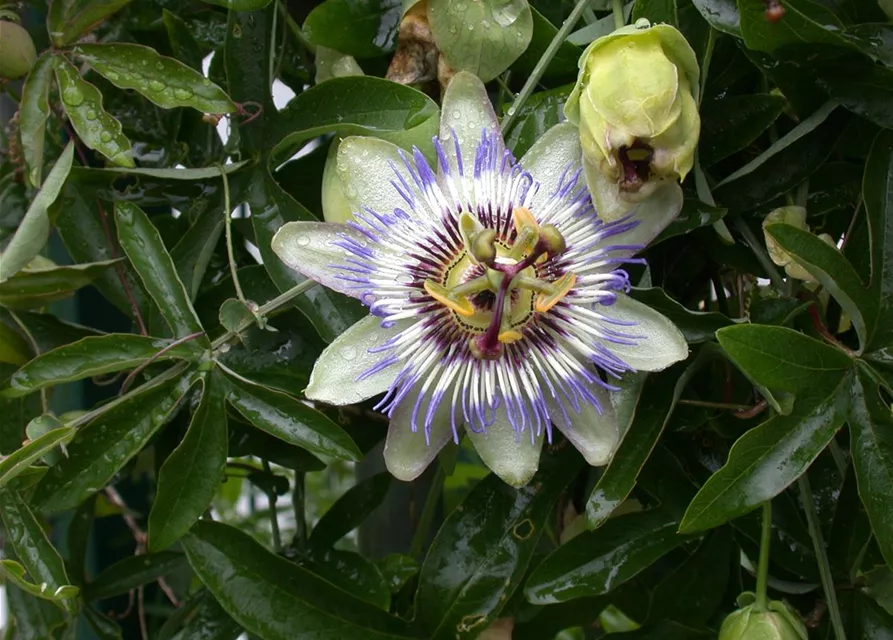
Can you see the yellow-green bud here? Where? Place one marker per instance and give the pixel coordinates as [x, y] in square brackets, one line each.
[778, 622]
[635, 102]
[795, 217]
[17, 52]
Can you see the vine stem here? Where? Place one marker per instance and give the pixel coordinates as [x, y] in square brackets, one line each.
[543, 63]
[815, 532]
[617, 10]
[227, 213]
[763, 566]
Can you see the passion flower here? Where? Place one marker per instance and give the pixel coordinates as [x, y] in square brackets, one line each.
[498, 302]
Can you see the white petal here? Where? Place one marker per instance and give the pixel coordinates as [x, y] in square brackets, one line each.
[406, 453]
[514, 459]
[335, 376]
[659, 343]
[467, 112]
[594, 434]
[626, 398]
[557, 154]
[653, 215]
[366, 168]
[309, 248]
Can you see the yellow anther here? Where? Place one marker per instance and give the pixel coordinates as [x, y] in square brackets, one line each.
[523, 218]
[510, 336]
[460, 305]
[562, 286]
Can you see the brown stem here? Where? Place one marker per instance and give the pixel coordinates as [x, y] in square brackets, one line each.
[753, 411]
[825, 333]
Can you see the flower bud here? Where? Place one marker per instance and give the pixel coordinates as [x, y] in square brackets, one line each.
[635, 102]
[778, 622]
[796, 217]
[17, 52]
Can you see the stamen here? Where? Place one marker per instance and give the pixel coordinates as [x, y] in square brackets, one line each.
[562, 287]
[459, 304]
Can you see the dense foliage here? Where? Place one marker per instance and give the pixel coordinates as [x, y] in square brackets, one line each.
[161, 474]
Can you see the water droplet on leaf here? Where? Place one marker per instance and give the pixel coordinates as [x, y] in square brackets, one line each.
[506, 12]
[157, 85]
[72, 96]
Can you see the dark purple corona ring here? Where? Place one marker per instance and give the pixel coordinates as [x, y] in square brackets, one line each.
[497, 295]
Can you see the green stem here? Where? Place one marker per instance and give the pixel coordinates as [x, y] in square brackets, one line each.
[815, 532]
[228, 212]
[731, 406]
[421, 533]
[763, 567]
[760, 253]
[274, 516]
[44, 400]
[617, 10]
[543, 63]
[298, 501]
[295, 28]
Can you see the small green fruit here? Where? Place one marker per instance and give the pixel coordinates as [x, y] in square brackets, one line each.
[17, 52]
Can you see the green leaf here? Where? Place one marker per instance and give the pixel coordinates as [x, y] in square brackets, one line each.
[595, 562]
[209, 621]
[539, 114]
[871, 429]
[289, 419]
[276, 599]
[15, 463]
[364, 105]
[563, 65]
[34, 112]
[721, 14]
[68, 19]
[240, 5]
[732, 123]
[29, 542]
[177, 174]
[193, 253]
[104, 627]
[34, 229]
[14, 349]
[397, 569]
[189, 478]
[829, 266]
[350, 510]
[271, 207]
[132, 572]
[875, 40]
[93, 356]
[35, 288]
[850, 529]
[657, 398]
[96, 128]
[15, 574]
[696, 326]
[697, 587]
[484, 38]
[880, 586]
[804, 21]
[865, 90]
[35, 619]
[364, 28]
[877, 190]
[142, 244]
[165, 81]
[781, 358]
[482, 551]
[694, 215]
[234, 314]
[100, 449]
[656, 11]
[765, 460]
[351, 573]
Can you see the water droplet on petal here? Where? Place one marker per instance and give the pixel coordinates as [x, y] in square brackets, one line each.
[350, 191]
[303, 240]
[457, 114]
[349, 353]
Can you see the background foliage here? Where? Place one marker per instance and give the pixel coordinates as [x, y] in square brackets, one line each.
[148, 395]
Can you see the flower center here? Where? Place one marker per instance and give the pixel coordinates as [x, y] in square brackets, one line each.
[494, 288]
[635, 161]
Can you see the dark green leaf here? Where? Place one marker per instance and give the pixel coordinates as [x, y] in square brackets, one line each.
[721, 14]
[696, 326]
[189, 478]
[863, 89]
[875, 40]
[363, 29]
[694, 215]
[276, 599]
[77, 540]
[539, 114]
[562, 67]
[100, 449]
[94, 125]
[877, 189]
[871, 428]
[35, 619]
[34, 112]
[142, 244]
[68, 19]
[351, 573]
[235, 314]
[14, 349]
[211, 622]
[240, 5]
[731, 123]
[183, 43]
[596, 562]
[350, 510]
[781, 358]
[289, 419]
[35, 288]
[93, 356]
[15, 463]
[482, 551]
[397, 569]
[194, 251]
[34, 229]
[696, 588]
[104, 627]
[358, 105]
[132, 572]
[26, 537]
[165, 81]
[850, 530]
[804, 21]
[656, 11]
[765, 460]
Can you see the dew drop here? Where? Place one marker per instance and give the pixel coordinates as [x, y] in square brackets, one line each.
[182, 94]
[470, 27]
[157, 85]
[303, 240]
[206, 82]
[453, 29]
[508, 11]
[112, 75]
[485, 24]
[404, 278]
[349, 353]
[144, 62]
[457, 114]
[91, 114]
[159, 66]
[350, 191]
[105, 136]
[72, 96]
